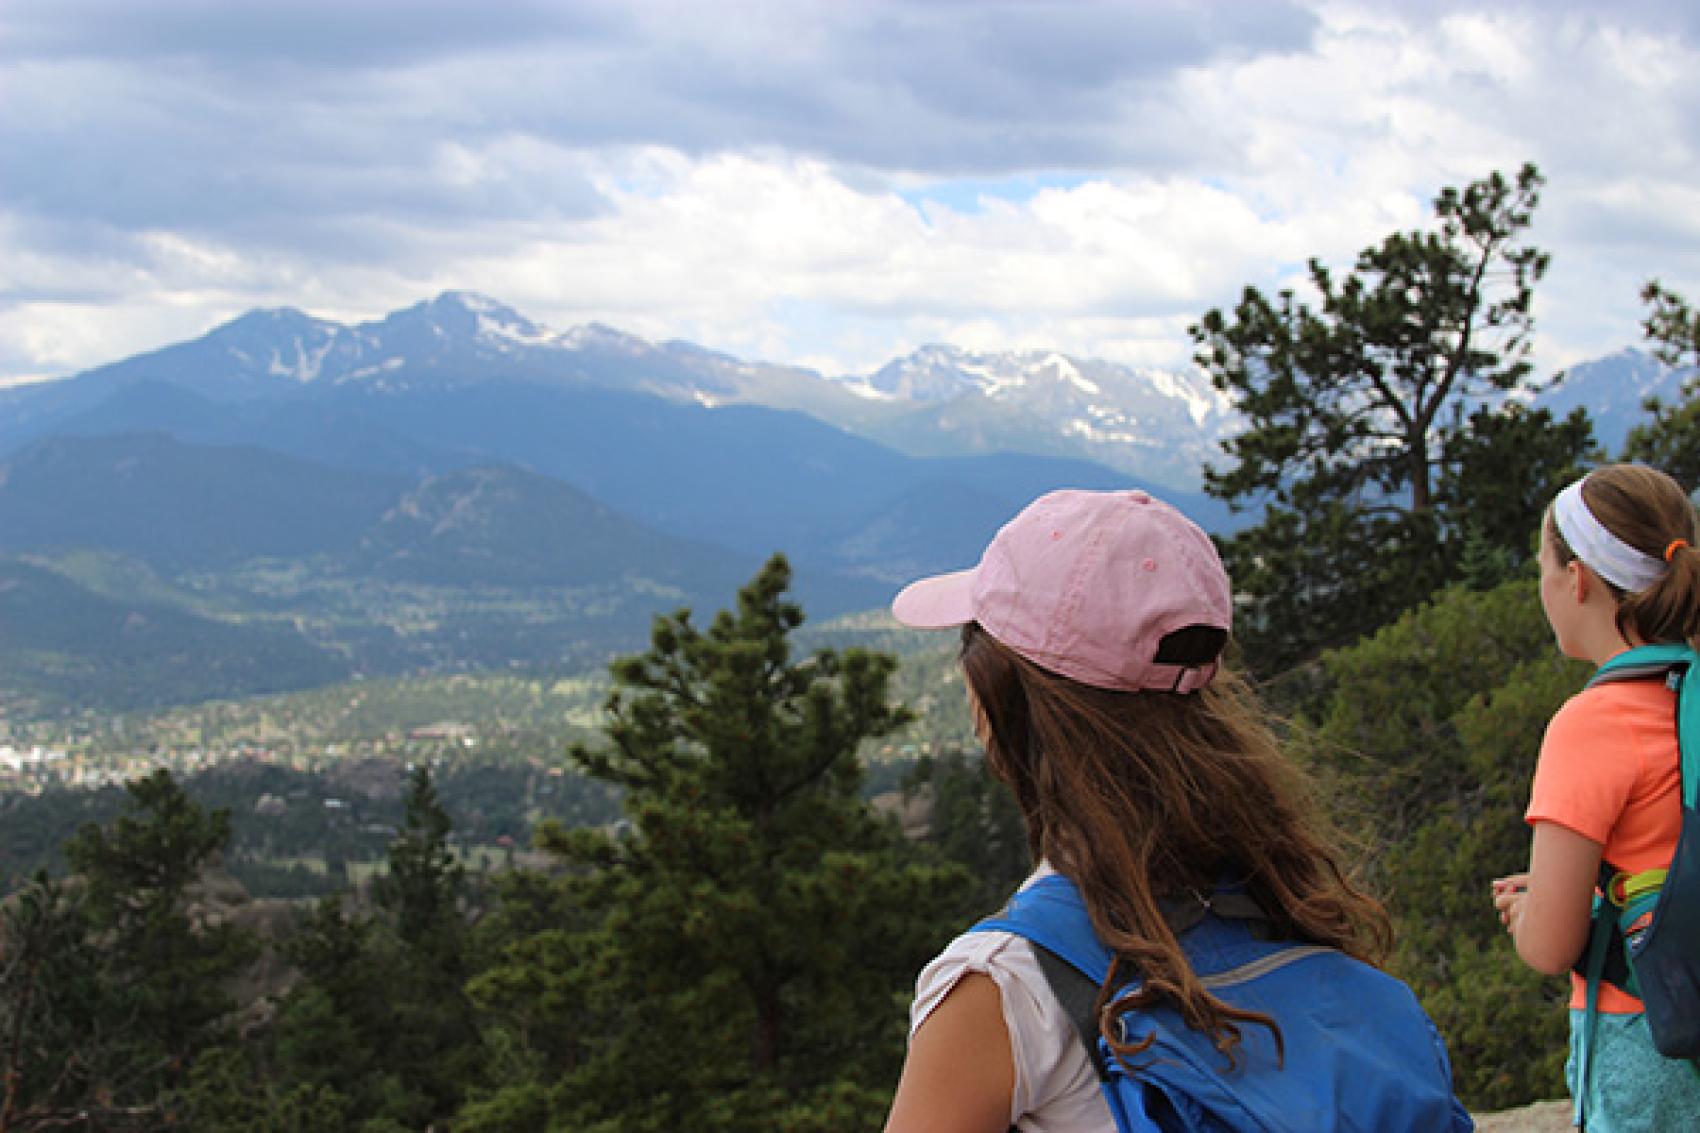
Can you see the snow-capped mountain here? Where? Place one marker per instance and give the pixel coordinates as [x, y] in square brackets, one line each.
[1612, 390]
[1154, 425]
[458, 338]
[1157, 424]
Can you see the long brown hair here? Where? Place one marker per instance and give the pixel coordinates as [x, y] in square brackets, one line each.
[1142, 796]
[1649, 511]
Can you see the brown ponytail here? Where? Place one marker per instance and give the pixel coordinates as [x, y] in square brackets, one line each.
[1650, 512]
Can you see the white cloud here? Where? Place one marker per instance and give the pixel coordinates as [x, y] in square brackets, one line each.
[742, 176]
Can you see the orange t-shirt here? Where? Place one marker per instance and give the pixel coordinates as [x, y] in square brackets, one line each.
[1609, 770]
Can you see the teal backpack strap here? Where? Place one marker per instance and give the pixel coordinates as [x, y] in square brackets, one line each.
[1688, 728]
[1599, 946]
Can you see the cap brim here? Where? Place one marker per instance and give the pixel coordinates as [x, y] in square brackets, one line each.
[939, 602]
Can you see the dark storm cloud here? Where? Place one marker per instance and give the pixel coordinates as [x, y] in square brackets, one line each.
[306, 34]
[938, 87]
[288, 125]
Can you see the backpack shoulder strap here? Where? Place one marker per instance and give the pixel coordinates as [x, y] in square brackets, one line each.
[1676, 663]
[1051, 913]
[1643, 660]
[1079, 998]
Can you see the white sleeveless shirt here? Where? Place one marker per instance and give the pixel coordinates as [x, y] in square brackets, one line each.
[1056, 1089]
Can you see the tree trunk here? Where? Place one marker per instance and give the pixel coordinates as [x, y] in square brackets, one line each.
[1421, 500]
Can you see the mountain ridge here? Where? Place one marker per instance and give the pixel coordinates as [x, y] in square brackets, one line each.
[978, 402]
[1156, 425]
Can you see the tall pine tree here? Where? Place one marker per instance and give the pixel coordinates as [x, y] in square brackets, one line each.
[746, 939]
[380, 1022]
[1358, 406]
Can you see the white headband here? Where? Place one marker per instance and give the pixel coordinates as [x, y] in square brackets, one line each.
[1610, 557]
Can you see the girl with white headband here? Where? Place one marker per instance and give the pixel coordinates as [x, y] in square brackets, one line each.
[1619, 569]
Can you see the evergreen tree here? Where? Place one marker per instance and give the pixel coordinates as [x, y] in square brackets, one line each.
[1505, 1023]
[435, 1049]
[50, 1007]
[115, 983]
[380, 1022]
[1671, 440]
[1357, 405]
[1426, 747]
[230, 1092]
[974, 822]
[425, 880]
[745, 942]
[330, 1032]
[1497, 479]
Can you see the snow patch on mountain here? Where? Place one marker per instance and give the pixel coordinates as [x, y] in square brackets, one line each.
[1069, 372]
[303, 363]
[596, 336]
[867, 392]
[507, 335]
[387, 366]
[1203, 403]
[1157, 424]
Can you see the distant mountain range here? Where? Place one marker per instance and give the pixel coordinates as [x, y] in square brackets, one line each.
[1152, 425]
[455, 485]
[1612, 390]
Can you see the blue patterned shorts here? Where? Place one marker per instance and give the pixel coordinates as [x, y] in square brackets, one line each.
[1632, 1087]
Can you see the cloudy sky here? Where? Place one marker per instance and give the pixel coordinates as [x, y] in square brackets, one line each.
[824, 182]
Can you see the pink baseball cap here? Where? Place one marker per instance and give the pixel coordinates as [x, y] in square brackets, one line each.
[1089, 585]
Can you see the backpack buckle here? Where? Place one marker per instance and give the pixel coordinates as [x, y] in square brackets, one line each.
[1624, 888]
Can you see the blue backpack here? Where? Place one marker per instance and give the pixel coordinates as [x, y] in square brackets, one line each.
[1646, 928]
[1359, 1053]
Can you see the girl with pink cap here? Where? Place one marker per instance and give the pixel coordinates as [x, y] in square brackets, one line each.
[1150, 781]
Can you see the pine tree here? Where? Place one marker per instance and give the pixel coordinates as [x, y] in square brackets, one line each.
[748, 937]
[380, 1021]
[114, 983]
[435, 1048]
[329, 1034]
[1357, 409]
[1498, 478]
[974, 822]
[1671, 439]
[50, 1006]
[1427, 745]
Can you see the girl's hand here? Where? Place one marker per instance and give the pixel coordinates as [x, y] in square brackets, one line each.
[1547, 910]
[1509, 893]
